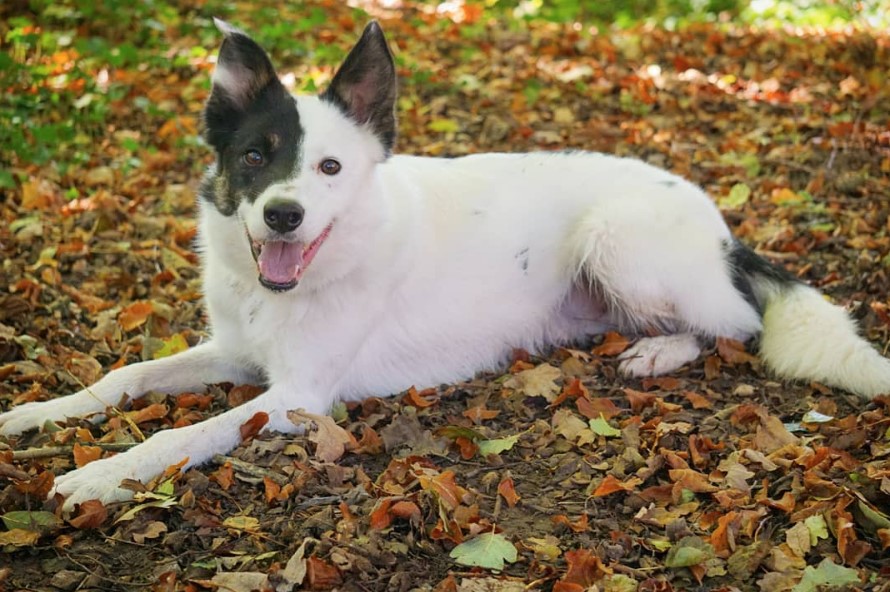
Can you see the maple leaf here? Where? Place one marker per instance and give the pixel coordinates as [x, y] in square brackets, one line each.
[488, 551]
[330, 439]
[537, 382]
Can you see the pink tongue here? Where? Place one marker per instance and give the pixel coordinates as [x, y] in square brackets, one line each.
[280, 261]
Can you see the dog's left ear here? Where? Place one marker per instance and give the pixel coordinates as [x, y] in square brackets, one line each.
[365, 85]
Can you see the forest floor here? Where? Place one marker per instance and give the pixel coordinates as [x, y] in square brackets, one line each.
[552, 473]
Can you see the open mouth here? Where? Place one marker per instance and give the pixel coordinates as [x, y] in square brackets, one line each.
[281, 263]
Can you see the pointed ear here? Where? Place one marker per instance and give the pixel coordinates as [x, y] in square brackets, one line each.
[243, 72]
[364, 87]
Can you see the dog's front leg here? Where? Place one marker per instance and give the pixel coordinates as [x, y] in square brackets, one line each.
[189, 370]
[198, 443]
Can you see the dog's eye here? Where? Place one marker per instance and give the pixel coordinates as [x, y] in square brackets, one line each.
[329, 166]
[253, 158]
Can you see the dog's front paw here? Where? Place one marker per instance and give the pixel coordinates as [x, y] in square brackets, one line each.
[653, 356]
[34, 415]
[98, 480]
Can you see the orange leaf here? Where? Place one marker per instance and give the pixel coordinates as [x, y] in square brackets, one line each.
[665, 383]
[478, 414]
[370, 442]
[468, 448]
[224, 476]
[593, 408]
[585, 568]
[150, 413]
[578, 526]
[421, 400]
[135, 315]
[191, 400]
[698, 401]
[252, 426]
[612, 345]
[38, 486]
[380, 517]
[271, 490]
[90, 514]
[243, 393]
[786, 503]
[692, 480]
[321, 575]
[610, 485]
[508, 492]
[733, 351]
[850, 548]
[639, 400]
[444, 486]
[83, 455]
[720, 536]
[406, 510]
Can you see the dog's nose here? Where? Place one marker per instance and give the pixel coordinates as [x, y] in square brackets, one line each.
[283, 216]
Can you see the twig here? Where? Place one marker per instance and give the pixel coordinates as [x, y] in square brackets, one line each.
[51, 451]
[251, 469]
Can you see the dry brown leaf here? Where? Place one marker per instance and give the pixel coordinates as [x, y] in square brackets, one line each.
[330, 439]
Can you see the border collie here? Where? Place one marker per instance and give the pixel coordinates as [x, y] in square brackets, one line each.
[334, 269]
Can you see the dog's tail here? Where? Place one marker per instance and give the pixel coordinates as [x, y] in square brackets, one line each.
[804, 336]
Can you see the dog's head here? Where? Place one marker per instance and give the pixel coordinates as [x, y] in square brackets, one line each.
[289, 168]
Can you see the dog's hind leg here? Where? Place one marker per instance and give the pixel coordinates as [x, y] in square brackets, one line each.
[659, 263]
[186, 371]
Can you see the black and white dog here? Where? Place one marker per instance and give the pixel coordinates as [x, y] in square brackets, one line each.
[335, 270]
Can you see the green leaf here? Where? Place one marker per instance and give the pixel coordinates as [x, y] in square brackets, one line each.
[827, 576]
[170, 346]
[34, 521]
[443, 125]
[497, 446]
[488, 551]
[601, 427]
[738, 196]
[7, 180]
[817, 527]
[690, 550]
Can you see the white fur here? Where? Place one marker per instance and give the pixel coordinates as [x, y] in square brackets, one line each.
[436, 269]
[806, 338]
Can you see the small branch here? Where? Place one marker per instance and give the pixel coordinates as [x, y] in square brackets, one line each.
[250, 469]
[51, 451]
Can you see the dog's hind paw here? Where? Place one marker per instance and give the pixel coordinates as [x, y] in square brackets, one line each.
[652, 356]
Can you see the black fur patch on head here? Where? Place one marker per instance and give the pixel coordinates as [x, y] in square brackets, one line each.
[749, 269]
[364, 88]
[249, 110]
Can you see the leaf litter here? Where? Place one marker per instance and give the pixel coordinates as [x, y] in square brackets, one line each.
[559, 475]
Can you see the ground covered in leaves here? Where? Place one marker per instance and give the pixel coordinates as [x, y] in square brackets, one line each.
[553, 473]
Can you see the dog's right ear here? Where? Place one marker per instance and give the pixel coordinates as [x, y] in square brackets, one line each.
[243, 72]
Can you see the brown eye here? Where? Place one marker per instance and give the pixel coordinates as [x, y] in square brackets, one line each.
[329, 166]
[253, 158]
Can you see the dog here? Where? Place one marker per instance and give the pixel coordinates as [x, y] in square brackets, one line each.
[333, 269]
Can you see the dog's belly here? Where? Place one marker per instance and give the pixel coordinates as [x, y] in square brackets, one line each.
[435, 348]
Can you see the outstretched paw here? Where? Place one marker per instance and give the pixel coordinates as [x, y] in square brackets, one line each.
[99, 480]
[34, 415]
[653, 356]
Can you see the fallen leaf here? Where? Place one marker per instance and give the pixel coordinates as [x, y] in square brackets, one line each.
[488, 551]
[537, 382]
[83, 455]
[90, 514]
[507, 491]
[330, 439]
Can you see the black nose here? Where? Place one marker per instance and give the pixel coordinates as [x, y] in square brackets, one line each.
[283, 216]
